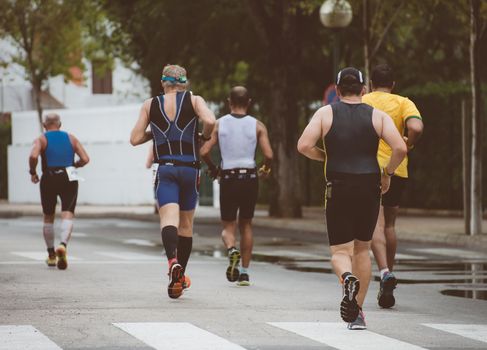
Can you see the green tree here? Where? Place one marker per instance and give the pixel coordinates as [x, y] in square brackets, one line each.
[48, 34]
[274, 47]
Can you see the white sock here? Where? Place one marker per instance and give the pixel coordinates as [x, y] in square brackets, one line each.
[66, 229]
[48, 232]
[244, 269]
[383, 272]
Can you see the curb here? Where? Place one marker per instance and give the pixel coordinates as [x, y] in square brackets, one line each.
[478, 242]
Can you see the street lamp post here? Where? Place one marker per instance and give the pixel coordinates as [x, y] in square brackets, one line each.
[336, 14]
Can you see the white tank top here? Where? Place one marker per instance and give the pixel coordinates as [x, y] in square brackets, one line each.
[237, 138]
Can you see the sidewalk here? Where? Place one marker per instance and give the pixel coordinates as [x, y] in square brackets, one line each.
[414, 226]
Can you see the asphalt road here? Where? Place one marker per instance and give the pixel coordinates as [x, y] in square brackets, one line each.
[113, 295]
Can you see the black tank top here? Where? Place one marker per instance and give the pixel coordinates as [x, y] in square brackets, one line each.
[352, 142]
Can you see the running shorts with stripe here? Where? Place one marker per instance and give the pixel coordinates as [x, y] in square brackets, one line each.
[178, 184]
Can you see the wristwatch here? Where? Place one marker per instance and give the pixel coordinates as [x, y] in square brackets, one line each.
[205, 138]
[385, 172]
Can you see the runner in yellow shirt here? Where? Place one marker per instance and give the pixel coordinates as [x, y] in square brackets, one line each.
[405, 116]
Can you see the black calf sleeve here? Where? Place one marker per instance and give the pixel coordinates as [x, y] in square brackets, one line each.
[170, 240]
[185, 244]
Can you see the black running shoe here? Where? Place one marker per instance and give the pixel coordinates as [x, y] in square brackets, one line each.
[232, 269]
[176, 276]
[243, 280]
[349, 308]
[387, 285]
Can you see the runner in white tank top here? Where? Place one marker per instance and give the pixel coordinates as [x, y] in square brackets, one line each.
[237, 135]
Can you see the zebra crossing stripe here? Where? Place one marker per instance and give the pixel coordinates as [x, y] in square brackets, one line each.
[24, 338]
[338, 336]
[176, 335]
[472, 331]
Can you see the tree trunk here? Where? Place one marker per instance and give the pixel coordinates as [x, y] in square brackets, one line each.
[366, 33]
[36, 86]
[476, 163]
[285, 199]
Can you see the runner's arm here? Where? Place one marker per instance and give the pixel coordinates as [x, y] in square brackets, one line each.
[34, 155]
[415, 128]
[264, 144]
[392, 137]
[205, 114]
[150, 157]
[205, 150]
[80, 151]
[139, 135]
[311, 134]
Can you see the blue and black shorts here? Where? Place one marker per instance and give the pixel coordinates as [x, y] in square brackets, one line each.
[178, 184]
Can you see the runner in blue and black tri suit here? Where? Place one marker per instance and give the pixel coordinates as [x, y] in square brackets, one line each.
[173, 119]
[57, 149]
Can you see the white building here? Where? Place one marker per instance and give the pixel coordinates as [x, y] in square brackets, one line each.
[100, 111]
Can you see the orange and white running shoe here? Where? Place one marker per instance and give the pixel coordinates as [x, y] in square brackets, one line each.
[176, 276]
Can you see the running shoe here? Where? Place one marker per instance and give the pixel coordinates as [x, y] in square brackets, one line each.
[243, 280]
[186, 282]
[232, 270]
[62, 260]
[387, 285]
[359, 322]
[51, 260]
[349, 309]
[175, 286]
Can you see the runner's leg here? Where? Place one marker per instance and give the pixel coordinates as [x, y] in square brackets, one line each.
[341, 258]
[229, 234]
[246, 241]
[169, 218]
[185, 239]
[379, 247]
[390, 215]
[361, 267]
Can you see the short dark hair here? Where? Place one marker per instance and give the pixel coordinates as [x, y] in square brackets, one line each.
[239, 96]
[382, 76]
[350, 86]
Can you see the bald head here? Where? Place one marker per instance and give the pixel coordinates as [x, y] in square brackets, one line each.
[52, 121]
[239, 97]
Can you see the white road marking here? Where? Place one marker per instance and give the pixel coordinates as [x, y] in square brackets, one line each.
[140, 242]
[130, 256]
[24, 338]
[79, 234]
[472, 331]
[338, 336]
[401, 256]
[39, 256]
[452, 252]
[292, 254]
[162, 336]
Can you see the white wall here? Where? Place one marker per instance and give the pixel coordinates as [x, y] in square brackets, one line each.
[116, 173]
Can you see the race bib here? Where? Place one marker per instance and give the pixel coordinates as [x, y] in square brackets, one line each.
[154, 168]
[73, 174]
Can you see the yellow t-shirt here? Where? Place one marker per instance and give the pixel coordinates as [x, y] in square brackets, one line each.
[400, 109]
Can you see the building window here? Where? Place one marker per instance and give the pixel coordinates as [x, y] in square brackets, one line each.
[101, 77]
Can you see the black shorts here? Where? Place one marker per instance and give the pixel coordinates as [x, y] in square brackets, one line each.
[392, 198]
[238, 195]
[352, 207]
[54, 184]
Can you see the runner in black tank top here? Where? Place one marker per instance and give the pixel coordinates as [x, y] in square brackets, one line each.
[350, 131]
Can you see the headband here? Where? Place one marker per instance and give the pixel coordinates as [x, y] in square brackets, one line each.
[181, 79]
